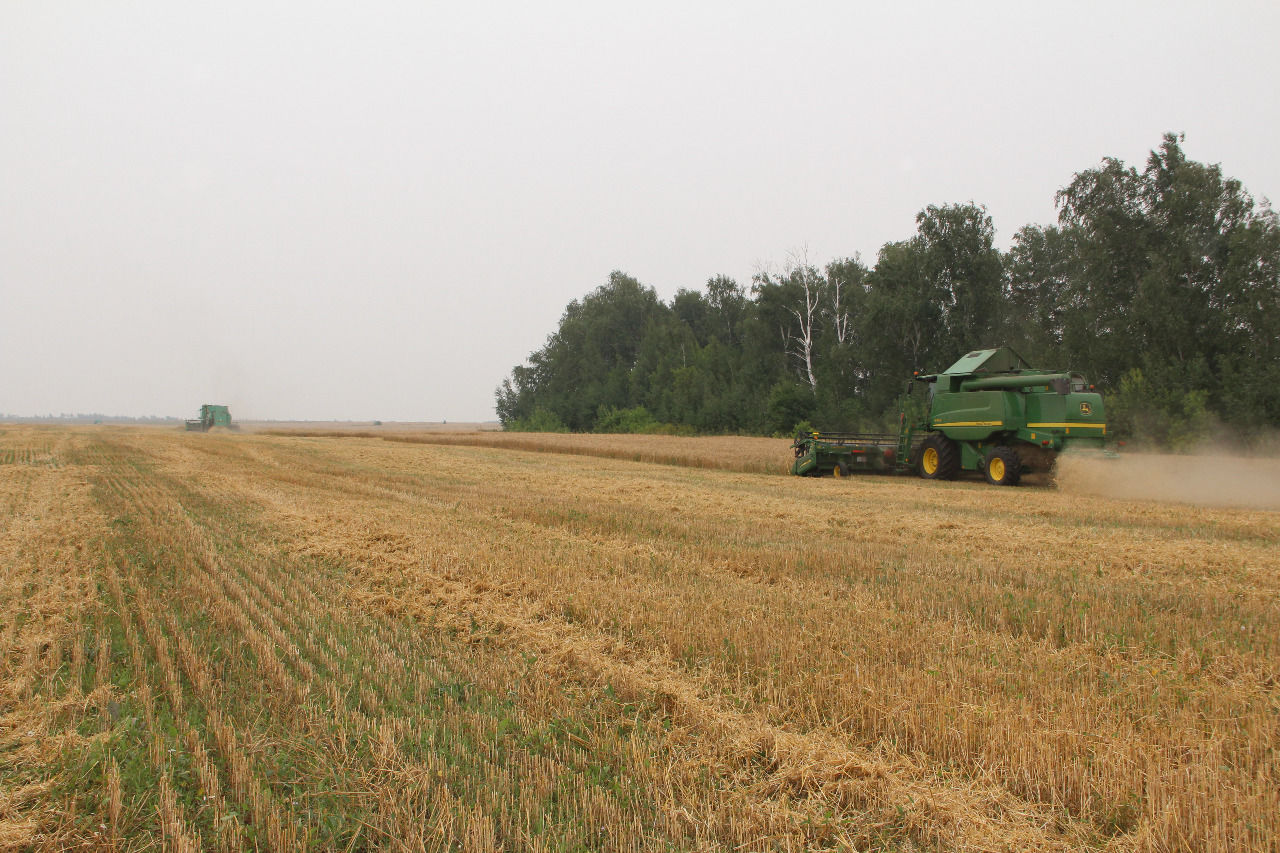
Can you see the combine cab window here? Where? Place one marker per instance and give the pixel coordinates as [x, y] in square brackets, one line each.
[1078, 383]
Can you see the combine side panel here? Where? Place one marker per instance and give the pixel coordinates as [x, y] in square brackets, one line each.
[974, 415]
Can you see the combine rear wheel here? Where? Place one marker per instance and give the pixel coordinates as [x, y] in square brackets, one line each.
[1003, 467]
[841, 469]
[939, 458]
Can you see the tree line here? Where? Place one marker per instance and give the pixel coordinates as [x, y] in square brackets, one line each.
[1162, 286]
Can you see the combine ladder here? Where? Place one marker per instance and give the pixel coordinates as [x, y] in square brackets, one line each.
[906, 431]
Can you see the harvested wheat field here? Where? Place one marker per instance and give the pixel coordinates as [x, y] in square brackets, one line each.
[278, 642]
[725, 453]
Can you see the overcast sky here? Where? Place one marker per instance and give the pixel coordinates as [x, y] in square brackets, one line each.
[375, 210]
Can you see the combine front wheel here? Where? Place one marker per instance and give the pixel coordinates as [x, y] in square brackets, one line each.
[1003, 466]
[939, 458]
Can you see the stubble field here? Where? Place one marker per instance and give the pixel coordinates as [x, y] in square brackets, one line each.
[244, 641]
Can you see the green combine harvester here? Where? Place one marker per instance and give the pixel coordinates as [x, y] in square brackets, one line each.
[990, 412]
[211, 416]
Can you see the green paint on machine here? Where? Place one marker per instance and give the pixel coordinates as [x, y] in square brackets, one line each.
[211, 415]
[990, 412]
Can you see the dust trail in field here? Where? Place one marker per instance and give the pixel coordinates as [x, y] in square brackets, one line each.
[1217, 480]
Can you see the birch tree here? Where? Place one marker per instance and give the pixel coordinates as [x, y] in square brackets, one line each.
[806, 312]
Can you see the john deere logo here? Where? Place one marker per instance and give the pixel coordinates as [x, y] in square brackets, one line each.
[1086, 409]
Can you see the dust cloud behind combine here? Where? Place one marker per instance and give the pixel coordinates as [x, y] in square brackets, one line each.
[1208, 479]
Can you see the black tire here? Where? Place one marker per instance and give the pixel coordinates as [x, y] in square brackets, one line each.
[1002, 466]
[939, 458]
[840, 469]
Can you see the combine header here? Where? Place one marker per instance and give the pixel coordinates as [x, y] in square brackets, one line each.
[211, 416]
[990, 412]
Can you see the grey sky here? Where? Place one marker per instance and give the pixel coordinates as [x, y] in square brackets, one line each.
[375, 210]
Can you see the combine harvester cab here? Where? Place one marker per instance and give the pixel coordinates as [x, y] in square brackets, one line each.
[992, 412]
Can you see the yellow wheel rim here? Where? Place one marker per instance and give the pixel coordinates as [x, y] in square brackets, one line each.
[995, 467]
[929, 462]
[836, 472]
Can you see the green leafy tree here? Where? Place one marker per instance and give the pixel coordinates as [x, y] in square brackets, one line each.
[793, 302]
[588, 361]
[790, 403]
[1173, 274]
[840, 397]
[903, 321]
[1040, 265]
[1163, 285]
[692, 309]
[540, 420]
[729, 306]
[965, 273]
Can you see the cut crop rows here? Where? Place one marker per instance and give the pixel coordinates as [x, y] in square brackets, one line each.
[286, 642]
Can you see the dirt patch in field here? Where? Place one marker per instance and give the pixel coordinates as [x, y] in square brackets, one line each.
[1203, 480]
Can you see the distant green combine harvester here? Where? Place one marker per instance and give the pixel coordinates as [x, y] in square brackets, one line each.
[211, 416]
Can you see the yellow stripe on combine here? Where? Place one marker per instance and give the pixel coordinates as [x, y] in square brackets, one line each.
[1067, 427]
[1102, 427]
